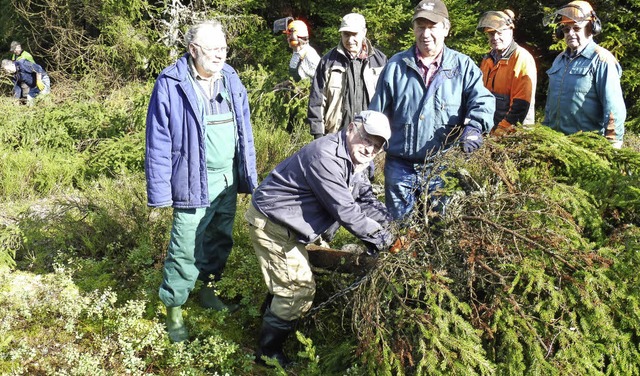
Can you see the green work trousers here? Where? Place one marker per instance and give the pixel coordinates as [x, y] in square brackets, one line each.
[285, 266]
[201, 241]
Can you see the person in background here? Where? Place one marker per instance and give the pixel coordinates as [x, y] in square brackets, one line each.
[299, 200]
[305, 58]
[199, 155]
[30, 79]
[509, 72]
[18, 53]
[345, 79]
[584, 91]
[434, 98]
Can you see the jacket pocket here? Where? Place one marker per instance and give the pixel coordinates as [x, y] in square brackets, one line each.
[336, 75]
[582, 78]
[179, 177]
[449, 114]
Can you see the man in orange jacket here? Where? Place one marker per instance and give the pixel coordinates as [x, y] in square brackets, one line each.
[509, 72]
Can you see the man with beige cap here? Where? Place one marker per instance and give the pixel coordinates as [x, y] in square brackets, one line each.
[345, 79]
[584, 91]
[299, 200]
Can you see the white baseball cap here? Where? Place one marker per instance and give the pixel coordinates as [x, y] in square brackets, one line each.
[375, 123]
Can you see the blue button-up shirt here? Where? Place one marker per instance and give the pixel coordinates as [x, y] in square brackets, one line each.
[584, 94]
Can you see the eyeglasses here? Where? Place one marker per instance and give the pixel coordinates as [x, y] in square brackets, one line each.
[212, 50]
[367, 141]
[576, 29]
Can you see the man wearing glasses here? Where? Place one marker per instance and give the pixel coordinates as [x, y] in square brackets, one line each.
[509, 72]
[584, 91]
[299, 200]
[199, 156]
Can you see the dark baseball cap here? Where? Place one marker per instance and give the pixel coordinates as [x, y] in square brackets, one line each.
[432, 10]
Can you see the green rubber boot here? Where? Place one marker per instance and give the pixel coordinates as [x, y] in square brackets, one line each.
[175, 325]
[209, 299]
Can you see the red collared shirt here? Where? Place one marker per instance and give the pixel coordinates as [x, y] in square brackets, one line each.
[427, 71]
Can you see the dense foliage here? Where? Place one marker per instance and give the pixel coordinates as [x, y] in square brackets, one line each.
[527, 273]
[532, 271]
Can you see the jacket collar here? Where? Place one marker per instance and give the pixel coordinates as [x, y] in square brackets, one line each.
[448, 61]
[342, 151]
[506, 54]
[588, 51]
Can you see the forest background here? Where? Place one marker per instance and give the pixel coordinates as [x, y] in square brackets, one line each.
[534, 272]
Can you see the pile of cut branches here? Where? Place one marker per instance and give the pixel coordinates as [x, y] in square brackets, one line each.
[531, 269]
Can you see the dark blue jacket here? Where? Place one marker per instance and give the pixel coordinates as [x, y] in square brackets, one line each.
[318, 186]
[175, 160]
[26, 73]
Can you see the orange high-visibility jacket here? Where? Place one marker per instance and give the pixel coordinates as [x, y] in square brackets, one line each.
[512, 80]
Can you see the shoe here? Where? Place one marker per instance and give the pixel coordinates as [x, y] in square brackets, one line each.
[175, 325]
[273, 334]
[271, 345]
[209, 299]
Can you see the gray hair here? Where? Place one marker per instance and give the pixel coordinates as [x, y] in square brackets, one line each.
[7, 63]
[192, 33]
[13, 46]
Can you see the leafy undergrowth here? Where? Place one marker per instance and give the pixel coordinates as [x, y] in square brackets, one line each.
[532, 270]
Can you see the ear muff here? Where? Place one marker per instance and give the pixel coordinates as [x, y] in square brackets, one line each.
[596, 25]
[559, 33]
[508, 20]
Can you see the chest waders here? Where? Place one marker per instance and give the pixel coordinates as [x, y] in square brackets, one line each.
[220, 144]
[201, 239]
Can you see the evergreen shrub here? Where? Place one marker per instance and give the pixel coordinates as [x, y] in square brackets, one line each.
[278, 113]
[529, 271]
[31, 174]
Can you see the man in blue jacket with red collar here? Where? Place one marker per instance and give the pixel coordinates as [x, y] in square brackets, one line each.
[434, 98]
[199, 156]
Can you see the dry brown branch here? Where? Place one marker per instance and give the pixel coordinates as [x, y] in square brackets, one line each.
[521, 237]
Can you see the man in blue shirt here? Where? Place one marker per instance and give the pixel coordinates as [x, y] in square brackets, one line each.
[584, 91]
[434, 96]
[31, 79]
